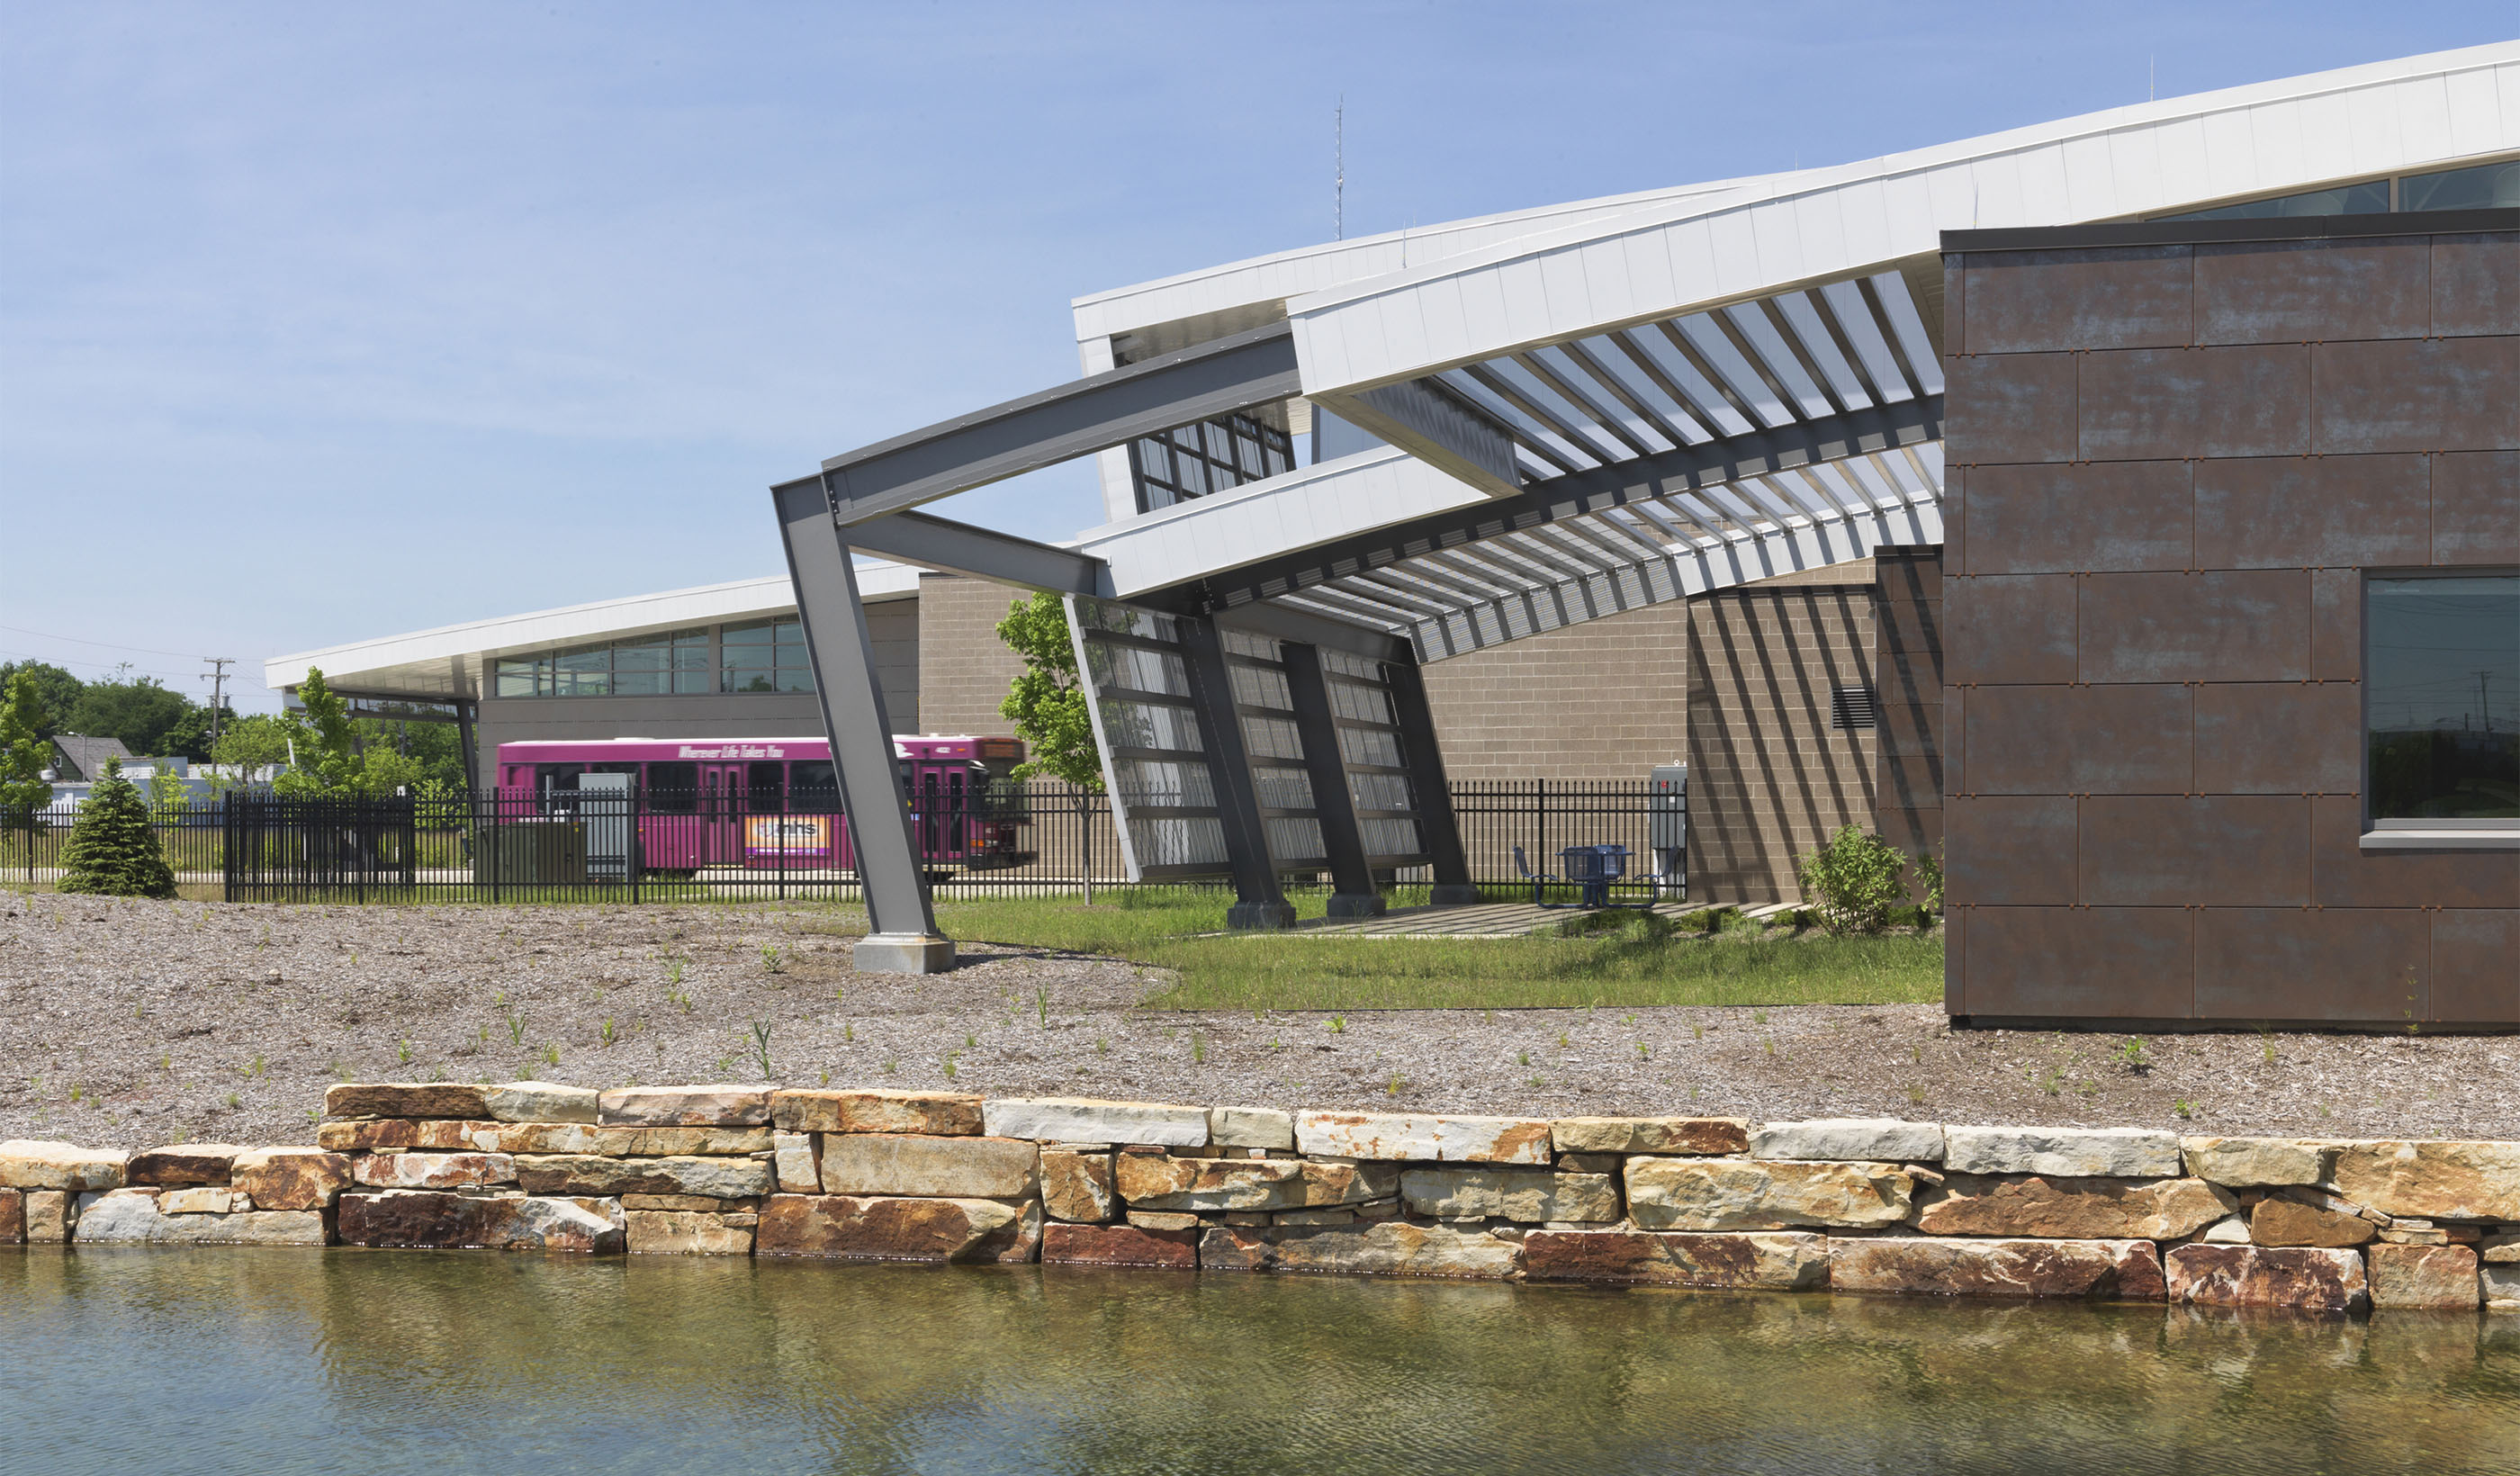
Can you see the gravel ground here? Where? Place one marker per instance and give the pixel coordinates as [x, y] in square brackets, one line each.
[137, 1023]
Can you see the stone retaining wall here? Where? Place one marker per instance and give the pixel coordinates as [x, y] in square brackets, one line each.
[1860, 1205]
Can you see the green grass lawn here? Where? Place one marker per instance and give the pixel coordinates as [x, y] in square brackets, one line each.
[1629, 963]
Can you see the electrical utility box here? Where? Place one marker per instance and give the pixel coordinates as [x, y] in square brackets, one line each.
[1667, 828]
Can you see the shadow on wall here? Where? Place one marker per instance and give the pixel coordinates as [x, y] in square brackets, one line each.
[1769, 777]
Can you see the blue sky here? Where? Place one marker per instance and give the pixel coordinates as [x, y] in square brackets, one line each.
[325, 322]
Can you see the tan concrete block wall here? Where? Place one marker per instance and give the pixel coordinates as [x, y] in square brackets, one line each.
[963, 668]
[1768, 777]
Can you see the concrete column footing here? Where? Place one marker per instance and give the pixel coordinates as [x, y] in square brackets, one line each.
[902, 953]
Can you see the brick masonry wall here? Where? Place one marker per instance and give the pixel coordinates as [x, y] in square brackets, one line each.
[964, 669]
[1768, 779]
[2170, 469]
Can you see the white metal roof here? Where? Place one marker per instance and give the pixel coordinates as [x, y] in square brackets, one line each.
[448, 661]
[1610, 333]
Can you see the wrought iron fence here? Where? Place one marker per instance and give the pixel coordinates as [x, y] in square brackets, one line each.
[628, 846]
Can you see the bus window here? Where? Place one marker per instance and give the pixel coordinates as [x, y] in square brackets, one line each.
[552, 782]
[766, 785]
[673, 788]
[812, 786]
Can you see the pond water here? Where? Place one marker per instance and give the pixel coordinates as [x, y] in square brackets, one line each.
[274, 1361]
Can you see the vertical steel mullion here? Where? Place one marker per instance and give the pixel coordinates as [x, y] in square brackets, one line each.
[1259, 900]
[1353, 893]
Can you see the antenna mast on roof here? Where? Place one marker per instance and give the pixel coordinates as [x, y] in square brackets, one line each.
[1338, 158]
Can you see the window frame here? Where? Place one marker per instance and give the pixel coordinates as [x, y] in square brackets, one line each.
[2416, 833]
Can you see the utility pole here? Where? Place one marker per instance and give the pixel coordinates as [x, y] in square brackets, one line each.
[218, 700]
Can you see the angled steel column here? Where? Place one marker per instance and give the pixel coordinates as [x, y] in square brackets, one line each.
[1434, 795]
[1259, 901]
[902, 937]
[1352, 890]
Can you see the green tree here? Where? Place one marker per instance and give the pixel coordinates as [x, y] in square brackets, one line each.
[138, 711]
[112, 850]
[1047, 703]
[327, 743]
[190, 736]
[257, 738]
[57, 691]
[26, 748]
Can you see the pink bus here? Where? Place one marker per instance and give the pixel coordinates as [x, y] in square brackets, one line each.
[771, 802]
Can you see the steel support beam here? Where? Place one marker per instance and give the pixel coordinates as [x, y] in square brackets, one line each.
[1454, 437]
[1077, 418]
[902, 936]
[960, 548]
[1286, 623]
[1433, 793]
[1259, 901]
[1352, 890]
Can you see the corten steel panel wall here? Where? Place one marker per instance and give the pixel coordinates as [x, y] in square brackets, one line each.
[1908, 693]
[1768, 779]
[2169, 467]
[735, 714]
[964, 669]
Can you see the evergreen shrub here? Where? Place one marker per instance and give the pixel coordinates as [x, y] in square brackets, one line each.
[112, 850]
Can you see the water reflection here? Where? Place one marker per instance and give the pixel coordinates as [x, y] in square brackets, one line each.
[272, 1361]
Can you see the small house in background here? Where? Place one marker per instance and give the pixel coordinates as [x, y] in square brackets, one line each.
[79, 759]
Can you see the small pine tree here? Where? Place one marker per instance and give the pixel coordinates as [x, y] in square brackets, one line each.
[1047, 703]
[113, 849]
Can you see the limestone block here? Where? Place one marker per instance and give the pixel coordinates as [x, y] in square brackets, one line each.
[1777, 1261]
[289, 1178]
[2246, 1162]
[140, 1217]
[36, 1164]
[1389, 1135]
[1251, 1128]
[49, 1215]
[203, 1199]
[2075, 1152]
[540, 1101]
[1069, 1245]
[370, 1135]
[1338, 1216]
[2232, 1231]
[13, 1217]
[2076, 1209]
[2423, 1275]
[2302, 1279]
[884, 1228]
[2498, 1285]
[862, 1109]
[434, 1220]
[589, 1173]
[2445, 1179]
[405, 1099]
[1076, 1186]
[1526, 1196]
[1160, 1181]
[692, 1204]
[671, 1232]
[795, 1160]
[1850, 1140]
[182, 1164]
[2117, 1270]
[2502, 1248]
[1734, 1195]
[948, 1168]
[1069, 1119]
[636, 1142]
[1164, 1220]
[713, 1107]
[1385, 1248]
[2284, 1222]
[1650, 1135]
[1589, 1163]
[432, 1171]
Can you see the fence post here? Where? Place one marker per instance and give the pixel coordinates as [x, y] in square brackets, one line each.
[1086, 816]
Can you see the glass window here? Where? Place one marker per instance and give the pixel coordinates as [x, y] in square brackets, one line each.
[673, 788]
[2368, 199]
[582, 673]
[766, 655]
[1207, 457]
[2481, 186]
[2442, 698]
[525, 676]
[813, 786]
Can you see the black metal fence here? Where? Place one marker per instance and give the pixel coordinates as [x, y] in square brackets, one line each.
[629, 846]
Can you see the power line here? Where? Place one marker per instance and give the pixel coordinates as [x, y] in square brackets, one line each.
[150, 650]
[103, 667]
